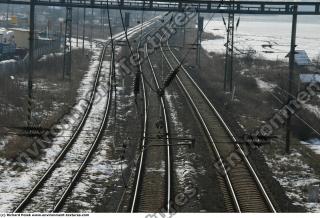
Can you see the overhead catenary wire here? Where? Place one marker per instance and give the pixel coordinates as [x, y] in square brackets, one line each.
[136, 81]
[115, 96]
[110, 29]
[138, 74]
[113, 83]
[129, 44]
[237, 25]
[186, 55]
[136, 89]
[177, 68]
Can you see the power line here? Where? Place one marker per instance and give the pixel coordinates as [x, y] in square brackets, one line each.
[129, 44]
[177, 68]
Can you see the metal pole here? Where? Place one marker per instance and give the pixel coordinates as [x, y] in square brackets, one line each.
[91, 28]
[231, 50]
[228, 68]
[7, 23]
[200, 29]
[184, 34]
[83, 28]
[77, 27]
[101, 21]
[197, 52]
[48, 28]
[198, 49]
[67, 44]
[31, 58]
[200, 34]
[226, 62]
[127, 20]
[60, 34]
[291, 69]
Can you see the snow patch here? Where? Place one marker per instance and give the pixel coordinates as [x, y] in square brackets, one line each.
[15, 185]
[313, 144]
[265, 86]
[295, 176]
[8, 61]
[313, 109]
[269, 37]
[51, 55]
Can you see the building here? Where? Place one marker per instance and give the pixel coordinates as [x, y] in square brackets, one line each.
[302, 59]
[305, 68]
[308, 78]
[21, 37]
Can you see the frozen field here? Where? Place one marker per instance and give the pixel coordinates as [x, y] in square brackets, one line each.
[269, 36]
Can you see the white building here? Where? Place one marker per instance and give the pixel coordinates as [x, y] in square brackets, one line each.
[6, 37]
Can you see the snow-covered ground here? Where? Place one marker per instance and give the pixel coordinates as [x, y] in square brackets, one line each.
[293, 173]
[265, 86]
[269, 36]
[295, 176]
[313, 109]
[51, 55]
[184, 168]
[7, 61]
[313, 144]
[89, 192]
[64, 172]
[15, 185]
[104, 170]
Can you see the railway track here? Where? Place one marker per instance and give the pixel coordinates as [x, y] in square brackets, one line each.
[166, 132]
[152, 187]
[242, 189]
[73, 154]
[70, 154]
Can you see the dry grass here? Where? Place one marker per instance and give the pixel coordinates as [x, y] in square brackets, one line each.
[53, 97]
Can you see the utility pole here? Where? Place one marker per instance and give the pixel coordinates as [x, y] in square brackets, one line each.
[127, 20]
[199, 33]
[67, 44]
[184, 34]
[91, 29]
[101, 20]
[77, 27]
[291, 69]
[83, 28]
[104, 23]
[48, 28]
[60, 32]
[31, 58]
[197, 43]
[7, 18]
[228, 68]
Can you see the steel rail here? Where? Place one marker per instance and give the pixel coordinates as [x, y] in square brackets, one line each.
[76, 133]
[144, 136]
[61, 155]
[244, 157]
[84, 163]
[165, 116]
[230, 187]
[143, 144]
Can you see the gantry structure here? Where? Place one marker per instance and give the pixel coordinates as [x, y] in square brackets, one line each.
[214, 6]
